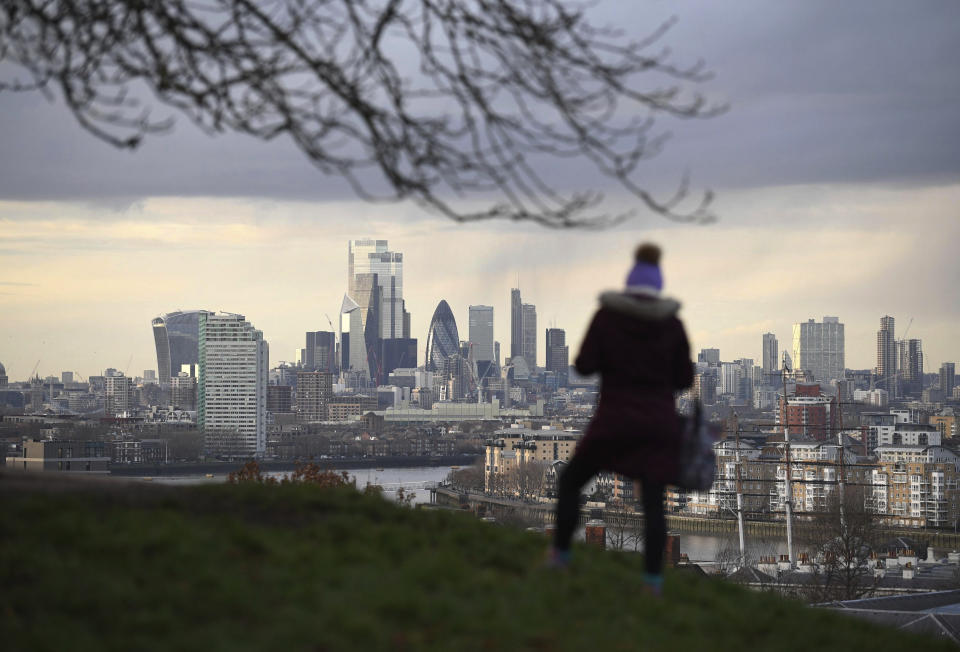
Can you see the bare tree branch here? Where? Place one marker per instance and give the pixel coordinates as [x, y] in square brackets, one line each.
[445, 102]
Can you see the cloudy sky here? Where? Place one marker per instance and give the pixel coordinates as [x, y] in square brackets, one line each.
[837, 170]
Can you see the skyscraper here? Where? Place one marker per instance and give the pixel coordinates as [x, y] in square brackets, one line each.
[232, 387]
[352, 346]
[369, 263]
[771, 362]
[320, 351]
[948, 372]
[530, 335]
[887, 357]
[709, 356]
[443, 340]
[516, 323]
[481, 337]
[558, 353]
[819, 348]
[910, 364]
[176, 336]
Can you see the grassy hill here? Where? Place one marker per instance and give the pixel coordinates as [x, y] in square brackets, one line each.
[107, 565]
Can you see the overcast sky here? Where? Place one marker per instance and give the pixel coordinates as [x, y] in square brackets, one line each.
[837, 170]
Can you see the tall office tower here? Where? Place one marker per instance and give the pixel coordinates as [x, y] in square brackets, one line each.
[819, 348]
[66, 377]
[320, 352]
[496, 353]
[314, 390]
[4, 381]
[183, 392]
[731, 374]
[530, 335]
[369, 263]
[119, 397]
[396, 352]
[910, 363]
[948, 371]
[443, 340]
[232, 387]
[177, 338]
[516, 324]
[481, 337]
[887, 357]
[353, 349]
[709, 356]
[558, 353]
[771, 362]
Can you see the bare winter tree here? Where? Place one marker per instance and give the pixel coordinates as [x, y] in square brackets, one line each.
[842, 537]
[445, 102]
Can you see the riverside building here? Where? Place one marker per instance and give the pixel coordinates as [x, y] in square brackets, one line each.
[232, 387]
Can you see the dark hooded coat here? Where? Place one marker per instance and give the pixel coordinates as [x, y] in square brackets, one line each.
[640, 349]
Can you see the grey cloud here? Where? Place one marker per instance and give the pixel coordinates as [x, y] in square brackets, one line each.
[819, 91]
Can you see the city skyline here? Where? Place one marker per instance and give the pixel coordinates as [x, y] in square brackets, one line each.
[859, 220]
[735, 343]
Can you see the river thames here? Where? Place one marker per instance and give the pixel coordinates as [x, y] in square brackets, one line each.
[703, 549]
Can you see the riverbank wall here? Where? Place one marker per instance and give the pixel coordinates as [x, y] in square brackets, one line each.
[272, 466]
[543, 513]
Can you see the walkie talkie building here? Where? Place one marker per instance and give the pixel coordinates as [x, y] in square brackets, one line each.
[177, 337]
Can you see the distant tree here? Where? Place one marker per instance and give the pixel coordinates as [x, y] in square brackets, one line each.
[469, 478]
[842, 538]
[527, 479]
[624, 528]
[405, 99]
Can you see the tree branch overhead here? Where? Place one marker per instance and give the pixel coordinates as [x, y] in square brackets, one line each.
[444, 102]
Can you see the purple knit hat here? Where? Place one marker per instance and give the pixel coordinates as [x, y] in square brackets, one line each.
[645, 277]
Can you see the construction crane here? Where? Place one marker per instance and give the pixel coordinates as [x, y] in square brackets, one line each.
[907, 329]
[34, 372]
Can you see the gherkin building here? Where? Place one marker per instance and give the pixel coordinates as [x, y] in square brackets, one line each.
[442, 337]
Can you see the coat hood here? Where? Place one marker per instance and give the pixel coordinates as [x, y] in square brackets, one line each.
[645, 308]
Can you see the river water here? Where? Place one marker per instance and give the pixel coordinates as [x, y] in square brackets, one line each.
[704, 549]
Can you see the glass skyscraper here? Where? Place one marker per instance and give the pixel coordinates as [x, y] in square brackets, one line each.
[177, 338]
[443, 340]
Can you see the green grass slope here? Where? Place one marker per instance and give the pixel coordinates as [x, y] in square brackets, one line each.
[114, 566]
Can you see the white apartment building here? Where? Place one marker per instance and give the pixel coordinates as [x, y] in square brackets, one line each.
[119, 398]
[232, 387]
[916, 485]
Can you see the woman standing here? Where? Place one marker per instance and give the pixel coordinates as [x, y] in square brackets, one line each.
[640, 349]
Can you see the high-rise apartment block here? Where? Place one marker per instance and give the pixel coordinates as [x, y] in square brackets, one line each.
[887, 357]
[910, 366]
[119, 396]
[232, 387]
[819, 348]
[771, 363]
[314, 391]
[948, 381]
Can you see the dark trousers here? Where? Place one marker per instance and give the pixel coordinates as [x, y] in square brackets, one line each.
[577, 474]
